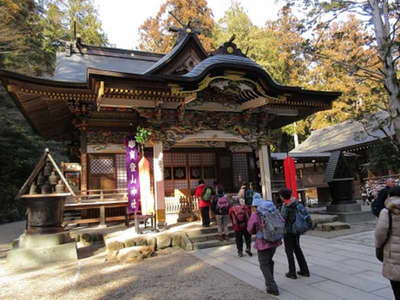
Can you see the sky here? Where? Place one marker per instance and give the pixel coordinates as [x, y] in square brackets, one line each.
[121, 18]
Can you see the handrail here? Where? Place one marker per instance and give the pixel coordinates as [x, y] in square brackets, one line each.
[101, 197]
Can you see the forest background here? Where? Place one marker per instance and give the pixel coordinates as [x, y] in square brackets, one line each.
[294, 50]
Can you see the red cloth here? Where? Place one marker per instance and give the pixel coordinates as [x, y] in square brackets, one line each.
[289, 169]
[232, 214]
[198, 192]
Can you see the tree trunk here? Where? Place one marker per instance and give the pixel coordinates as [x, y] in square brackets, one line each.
[385, 46]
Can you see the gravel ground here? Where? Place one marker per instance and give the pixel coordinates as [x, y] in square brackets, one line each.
[172, 274]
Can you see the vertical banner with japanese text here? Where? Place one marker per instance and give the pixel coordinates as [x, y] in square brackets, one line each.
[132, 172]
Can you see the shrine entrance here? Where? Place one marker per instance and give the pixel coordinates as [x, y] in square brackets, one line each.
[210, 115]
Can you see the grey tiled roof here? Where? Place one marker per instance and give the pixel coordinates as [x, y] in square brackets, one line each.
[181, 43]
[296, 155]
[74, 68]
[342, 136]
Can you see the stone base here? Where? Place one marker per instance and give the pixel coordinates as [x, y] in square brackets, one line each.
[43, 240]
[26, 258]
[355, 217]
[35, 250]
[348, 213]
[333, 226]
[342, 208]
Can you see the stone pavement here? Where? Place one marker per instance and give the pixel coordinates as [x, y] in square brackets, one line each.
[8, 233]
[341, 268]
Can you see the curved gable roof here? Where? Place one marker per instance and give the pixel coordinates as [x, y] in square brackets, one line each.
[188, 42]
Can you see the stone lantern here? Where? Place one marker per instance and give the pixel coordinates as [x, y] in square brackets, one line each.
[339, 176]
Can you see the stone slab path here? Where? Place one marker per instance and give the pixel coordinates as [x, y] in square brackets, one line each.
[341, 268]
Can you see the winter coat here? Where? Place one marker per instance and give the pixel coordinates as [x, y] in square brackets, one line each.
[288, 211]
[391, 257]
[198, 192]
[254, 224]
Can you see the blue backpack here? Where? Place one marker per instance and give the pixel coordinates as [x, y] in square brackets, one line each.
[303, 220]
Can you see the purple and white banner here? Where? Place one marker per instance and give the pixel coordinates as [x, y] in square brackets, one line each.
[132, 158]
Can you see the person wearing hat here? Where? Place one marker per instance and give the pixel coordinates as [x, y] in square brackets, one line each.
[265, 249]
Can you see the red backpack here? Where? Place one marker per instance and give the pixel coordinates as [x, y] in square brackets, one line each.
[240, 214]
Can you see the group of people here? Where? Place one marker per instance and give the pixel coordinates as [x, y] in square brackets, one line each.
[250, 214]
[386, 207]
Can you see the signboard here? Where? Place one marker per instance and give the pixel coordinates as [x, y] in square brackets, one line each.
[132, 158]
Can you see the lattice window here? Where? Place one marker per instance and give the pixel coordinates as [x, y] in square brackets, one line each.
[194, 159]
[178, 159]
[168, 159]
[240, 169]
[208, 159]
[121, 171]
[102, 166]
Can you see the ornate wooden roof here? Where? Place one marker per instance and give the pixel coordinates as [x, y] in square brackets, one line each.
[184, 82]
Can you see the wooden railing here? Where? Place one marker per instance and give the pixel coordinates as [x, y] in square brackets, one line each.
[92, 196]
[174, 205]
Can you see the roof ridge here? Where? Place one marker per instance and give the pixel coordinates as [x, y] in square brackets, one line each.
[88, 48]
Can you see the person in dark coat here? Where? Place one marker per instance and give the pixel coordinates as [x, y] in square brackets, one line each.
[379, 203]
[291, 239]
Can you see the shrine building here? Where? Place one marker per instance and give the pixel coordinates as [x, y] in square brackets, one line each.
[209, 114]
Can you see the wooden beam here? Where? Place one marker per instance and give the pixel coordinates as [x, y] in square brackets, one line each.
[257, 102]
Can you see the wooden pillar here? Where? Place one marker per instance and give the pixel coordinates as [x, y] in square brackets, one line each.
[158, 166]
[265, 171]
[84, 162]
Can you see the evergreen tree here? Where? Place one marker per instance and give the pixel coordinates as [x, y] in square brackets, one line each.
[29, 37]
[21, 38]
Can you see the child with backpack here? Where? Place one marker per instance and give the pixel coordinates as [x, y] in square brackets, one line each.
[268, 225]
[239, 215]
[297, 222]
[221, 209]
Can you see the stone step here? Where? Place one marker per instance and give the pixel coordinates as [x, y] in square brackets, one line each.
[194, 237]
[198, 229]
[323, 218]
[333, 226]
[212, 243]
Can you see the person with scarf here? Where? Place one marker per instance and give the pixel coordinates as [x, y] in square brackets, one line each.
[265, 249]
[390, 239]
[292, 239]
